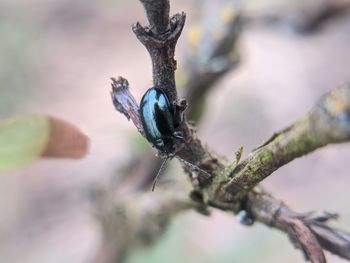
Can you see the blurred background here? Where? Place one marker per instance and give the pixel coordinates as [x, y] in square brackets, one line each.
[57, 57]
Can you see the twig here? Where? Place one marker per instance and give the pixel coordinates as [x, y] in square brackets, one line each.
[125, 103]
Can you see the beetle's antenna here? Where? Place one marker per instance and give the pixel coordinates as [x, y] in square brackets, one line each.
[159, 172]
[194, 167]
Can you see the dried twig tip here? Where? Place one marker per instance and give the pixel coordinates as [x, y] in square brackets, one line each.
[119, 84]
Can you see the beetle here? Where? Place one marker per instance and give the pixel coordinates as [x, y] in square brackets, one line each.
[158, 118]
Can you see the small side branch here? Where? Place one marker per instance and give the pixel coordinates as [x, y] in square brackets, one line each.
[304, 238]
[124, 102]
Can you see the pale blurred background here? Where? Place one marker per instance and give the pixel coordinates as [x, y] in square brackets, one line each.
[57, 57]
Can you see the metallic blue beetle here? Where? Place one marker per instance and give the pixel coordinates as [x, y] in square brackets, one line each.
[157, 117]
[158, 121]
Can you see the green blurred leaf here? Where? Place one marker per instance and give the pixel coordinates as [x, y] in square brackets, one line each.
[22, 140]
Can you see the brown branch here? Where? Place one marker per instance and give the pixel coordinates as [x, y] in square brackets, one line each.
[334, 240]
[305, 239]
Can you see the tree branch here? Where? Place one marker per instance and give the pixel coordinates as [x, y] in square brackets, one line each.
[231, 186]
[328, 122]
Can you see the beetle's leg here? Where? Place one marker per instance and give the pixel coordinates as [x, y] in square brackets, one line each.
[170, 155]
[179, 135]
[159, 142]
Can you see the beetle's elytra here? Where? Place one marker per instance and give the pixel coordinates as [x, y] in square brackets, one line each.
[158, 121]
[157, 117]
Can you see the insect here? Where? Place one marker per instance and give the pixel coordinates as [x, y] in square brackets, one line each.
[157, 117]
[158, 121]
